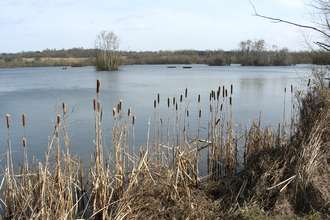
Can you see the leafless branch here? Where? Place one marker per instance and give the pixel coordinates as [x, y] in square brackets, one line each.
[289, 22]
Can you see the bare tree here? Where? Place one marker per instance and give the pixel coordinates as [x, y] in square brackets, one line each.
[107, 56]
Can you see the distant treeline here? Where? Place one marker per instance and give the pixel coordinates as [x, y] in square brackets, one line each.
[250, 53]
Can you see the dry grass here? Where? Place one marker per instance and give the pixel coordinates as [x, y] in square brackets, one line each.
[278, 176]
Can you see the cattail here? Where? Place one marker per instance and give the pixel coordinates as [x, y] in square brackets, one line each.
[118, 107]
[8, 120]
[200, 112]
[173, 100]
[94, 104]
[98, 85]
[64, 108]
[58, 119]
[221, 106]
[24, 142]
[181, 97]
[101, 116]
[134, 119]
[211, 107]
[291, 88]
[223, 91]
[210, 96]
[176, 106]
[187, 113]
[114, 112]
[168, 102]
[230, 100]
[213, 93]
[158, 98]
[120, 104]
[23, 119]
[231, 89]
[199, 97]
[284, 89]
[226, 93]
[218, 94]
[155, 103]
[186, 94]
[98, 106]
[309, 82]
[129, 112]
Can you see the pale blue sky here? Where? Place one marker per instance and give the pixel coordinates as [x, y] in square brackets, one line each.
[30, 25]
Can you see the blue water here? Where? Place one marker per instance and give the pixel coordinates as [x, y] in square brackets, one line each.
[39, 92]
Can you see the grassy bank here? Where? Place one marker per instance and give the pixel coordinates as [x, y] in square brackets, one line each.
[252, 173]
[47, 62]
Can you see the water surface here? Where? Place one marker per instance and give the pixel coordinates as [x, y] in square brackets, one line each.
[39, 92]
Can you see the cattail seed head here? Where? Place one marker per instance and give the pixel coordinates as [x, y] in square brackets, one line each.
[186, 93]
[218, 94]
[98, 106]
[309, 82]
[94, 104]
[200, 112]
[176, 106]
[58, 119]
[231, 89]
[221, 106]
[114, 112]
[101, 115]
[98, 85]
[129, 112]
[120, 104]
[155, 103]
[223, 91]
[173, 100]
[226, 93]
[158, 98]
[64, 108]
[23, 119]
[210, 96]
[199, 97]
[187, 113]
[134, 119]
[181, 97]
[8, 120]
[24, 142]
[284, 89]
[168, 102]
[230, 100]
[291, 88]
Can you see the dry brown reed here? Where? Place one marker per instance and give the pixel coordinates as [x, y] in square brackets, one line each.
[268, 171]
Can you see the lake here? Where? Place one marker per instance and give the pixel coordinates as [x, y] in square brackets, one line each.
[39, 92]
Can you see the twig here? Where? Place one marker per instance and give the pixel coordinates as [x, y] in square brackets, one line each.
[290, 179]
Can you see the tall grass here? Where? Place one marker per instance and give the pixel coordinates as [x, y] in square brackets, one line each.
[164, 180]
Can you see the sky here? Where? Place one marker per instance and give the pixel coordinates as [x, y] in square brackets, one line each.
[148, 25]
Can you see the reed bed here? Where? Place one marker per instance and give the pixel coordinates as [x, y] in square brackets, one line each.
[246, 168]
